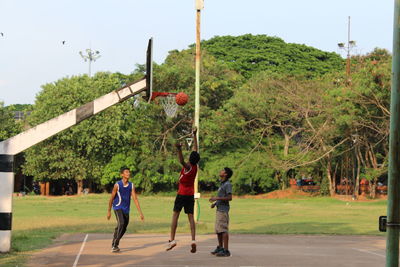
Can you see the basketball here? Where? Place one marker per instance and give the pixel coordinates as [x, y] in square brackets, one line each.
[181, 98]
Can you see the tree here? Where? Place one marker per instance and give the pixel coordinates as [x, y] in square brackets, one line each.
[287, 121]
[368, 115]
[8, 126]
[80, 152]
[249, 54]
[124, 135]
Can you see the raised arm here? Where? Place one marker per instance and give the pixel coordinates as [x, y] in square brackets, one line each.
[113, 193]
[227, 197]
[180, 156]
[136, 200]
[195, 144]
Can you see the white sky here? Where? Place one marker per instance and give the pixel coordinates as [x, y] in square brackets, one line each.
[31, 53]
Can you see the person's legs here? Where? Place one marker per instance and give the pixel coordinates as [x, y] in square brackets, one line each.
[220, 246]
[225, 237]
[193, 232]
[119, 229]
[174, 224]
[188, 204]
[222, 228]
[192, 226]
[219, 235]
[126, 222]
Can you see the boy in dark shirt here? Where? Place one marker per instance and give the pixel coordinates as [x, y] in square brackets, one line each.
[222, 214]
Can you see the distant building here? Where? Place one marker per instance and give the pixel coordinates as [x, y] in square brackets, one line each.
[21, 115]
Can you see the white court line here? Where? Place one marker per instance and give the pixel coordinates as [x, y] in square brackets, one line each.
[366, 251]
[80, 251]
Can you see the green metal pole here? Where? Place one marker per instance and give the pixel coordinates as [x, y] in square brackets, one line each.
[393, 214]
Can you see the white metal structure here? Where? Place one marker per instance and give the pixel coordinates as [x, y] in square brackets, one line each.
[14, 145]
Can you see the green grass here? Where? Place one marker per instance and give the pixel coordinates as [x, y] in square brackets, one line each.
[38, 220]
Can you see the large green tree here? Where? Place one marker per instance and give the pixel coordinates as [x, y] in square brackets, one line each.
[79, 152]
[270, 110]
[249, 54]
[140, 137]
[286, 122]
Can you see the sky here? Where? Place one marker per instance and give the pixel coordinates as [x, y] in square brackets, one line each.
[32, 53]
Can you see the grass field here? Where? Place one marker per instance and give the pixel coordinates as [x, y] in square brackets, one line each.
[38, 220]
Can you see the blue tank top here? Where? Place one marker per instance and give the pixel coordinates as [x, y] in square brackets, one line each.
[122, 200]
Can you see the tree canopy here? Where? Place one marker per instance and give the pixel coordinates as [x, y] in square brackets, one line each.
[272, 111]
[8, 126]
[249, 54]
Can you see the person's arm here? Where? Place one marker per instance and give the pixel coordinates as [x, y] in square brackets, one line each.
[228, 198]
[195, 145]
[180, 157]
[228, 192]
[113, 193]
[136, 200]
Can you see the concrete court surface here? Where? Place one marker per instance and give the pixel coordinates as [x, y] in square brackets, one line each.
[247, 250]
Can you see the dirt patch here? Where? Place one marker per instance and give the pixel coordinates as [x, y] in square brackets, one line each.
[287, 193]
[360, 198]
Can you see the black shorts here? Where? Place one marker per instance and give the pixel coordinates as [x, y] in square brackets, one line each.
[186, 202]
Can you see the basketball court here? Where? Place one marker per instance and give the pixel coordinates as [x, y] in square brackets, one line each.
[247, 250]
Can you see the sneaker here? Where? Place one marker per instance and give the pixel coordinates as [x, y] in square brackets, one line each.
[171, 245]
[194, 248]
[115, 249]
[217, 250]
[223, 253]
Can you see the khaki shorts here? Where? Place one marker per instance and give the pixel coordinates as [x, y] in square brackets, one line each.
[221, 222]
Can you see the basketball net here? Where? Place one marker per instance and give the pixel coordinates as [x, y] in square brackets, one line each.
[169, 104]
[189, 141]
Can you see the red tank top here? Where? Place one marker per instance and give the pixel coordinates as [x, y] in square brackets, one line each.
[186, 181]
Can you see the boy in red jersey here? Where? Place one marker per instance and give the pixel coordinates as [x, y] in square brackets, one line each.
[185, 196]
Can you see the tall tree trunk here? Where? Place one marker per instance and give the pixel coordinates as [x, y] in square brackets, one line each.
[284, 180]
[42, 188]
[357, 184]
[278, 179]
[374, 163]
[47, 188]
[332, 182]
[372, 188]
[80, 187]
[286, 147]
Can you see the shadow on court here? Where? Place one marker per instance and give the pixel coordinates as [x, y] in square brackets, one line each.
[247, 250]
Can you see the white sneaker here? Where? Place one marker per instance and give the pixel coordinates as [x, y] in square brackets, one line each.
[171, 245]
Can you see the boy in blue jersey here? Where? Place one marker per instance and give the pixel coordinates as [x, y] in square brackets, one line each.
[120, 201]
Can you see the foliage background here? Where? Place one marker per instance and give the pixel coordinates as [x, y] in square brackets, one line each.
[270, 110]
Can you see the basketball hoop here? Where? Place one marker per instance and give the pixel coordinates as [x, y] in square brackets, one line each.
[168, 101]
[169, 104]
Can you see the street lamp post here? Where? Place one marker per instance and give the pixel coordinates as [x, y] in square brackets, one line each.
[347, 47]
[90, 56]
[199, 7]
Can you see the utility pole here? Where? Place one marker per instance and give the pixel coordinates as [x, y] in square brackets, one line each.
[199, 7]
[393, 215]
[90, 56]
[348, 47]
